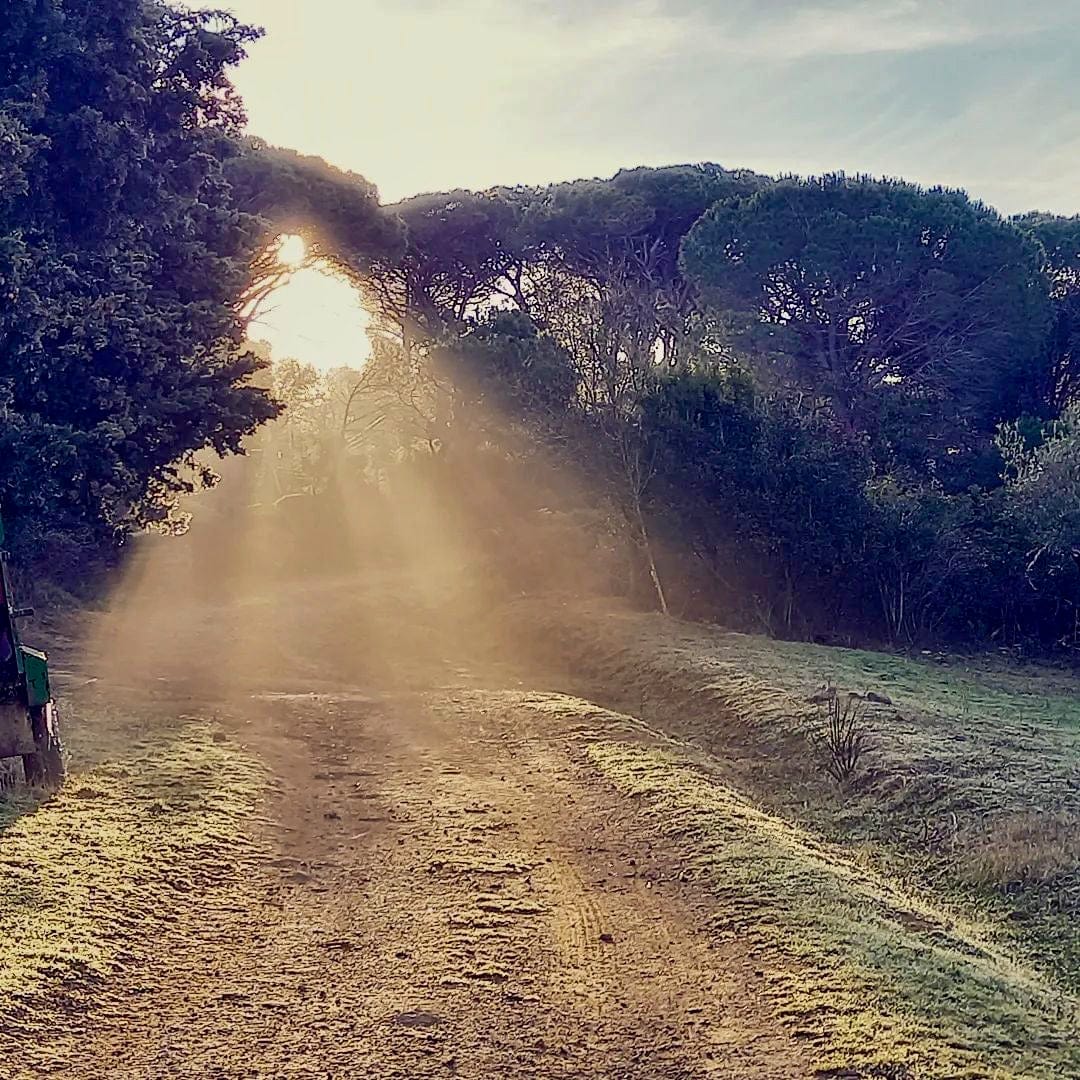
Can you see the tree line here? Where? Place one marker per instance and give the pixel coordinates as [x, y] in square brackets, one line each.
[841, 407]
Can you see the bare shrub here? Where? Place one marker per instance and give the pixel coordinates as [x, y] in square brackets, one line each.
[840, 735]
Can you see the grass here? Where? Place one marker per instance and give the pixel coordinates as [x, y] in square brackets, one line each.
[147, 818]
[883, 980]
[967, 789]
[1032, 848]
[954, 746]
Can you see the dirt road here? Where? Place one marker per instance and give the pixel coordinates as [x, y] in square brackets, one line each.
[433, 883]
[337, 828]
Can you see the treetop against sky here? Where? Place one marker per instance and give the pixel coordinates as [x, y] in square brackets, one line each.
[420, 95]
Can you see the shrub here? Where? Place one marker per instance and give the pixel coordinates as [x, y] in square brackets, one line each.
[841, 734]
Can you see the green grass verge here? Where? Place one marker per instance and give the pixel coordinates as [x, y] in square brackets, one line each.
[883, 981]
[968, 785]
[146, 820]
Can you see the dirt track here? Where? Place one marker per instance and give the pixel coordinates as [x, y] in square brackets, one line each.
[357, 827]
[438, 886]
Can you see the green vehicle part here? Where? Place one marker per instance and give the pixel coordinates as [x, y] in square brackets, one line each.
[29, 727]
[35, 666]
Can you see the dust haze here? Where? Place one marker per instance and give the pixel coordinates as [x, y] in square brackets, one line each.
[359, 584]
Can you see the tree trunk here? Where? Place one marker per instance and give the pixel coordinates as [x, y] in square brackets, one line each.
[646, 545]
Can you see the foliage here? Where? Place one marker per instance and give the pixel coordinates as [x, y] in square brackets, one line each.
[841, 734]
[861, 287]
[297, 447]
[768, 495]
[1043, 497]
[621, 238]
[459, 247]
[120, 260]
[137, 236]
[1060, 239]
[336, 213]
[1045, 483]
[506, 373]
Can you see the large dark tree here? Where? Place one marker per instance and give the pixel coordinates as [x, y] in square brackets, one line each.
[121, 258]
[461, 248]
[506, 374]
[617, 241]
[868, 291]
[767, 497]
[1060, 238]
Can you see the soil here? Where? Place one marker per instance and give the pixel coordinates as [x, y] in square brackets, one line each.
[436, 883]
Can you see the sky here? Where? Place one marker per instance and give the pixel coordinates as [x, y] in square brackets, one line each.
[423, 95]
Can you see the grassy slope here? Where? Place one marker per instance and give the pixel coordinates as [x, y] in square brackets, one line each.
[971, 787]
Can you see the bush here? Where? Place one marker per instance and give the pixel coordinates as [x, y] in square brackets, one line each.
[841, 734]
[770, 497]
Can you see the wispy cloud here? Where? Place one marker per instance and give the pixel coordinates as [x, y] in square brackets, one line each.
[855, 29]
[791, 30]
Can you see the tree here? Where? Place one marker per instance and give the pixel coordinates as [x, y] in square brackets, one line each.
[602, 276]
[1060, 240]
[622, 235]
[1044, 494]
[335, 212]
[295, 447]
[856, 288]
[769, 497]
[507, 375]
[616, 242]
[459, 247]
[121, 258]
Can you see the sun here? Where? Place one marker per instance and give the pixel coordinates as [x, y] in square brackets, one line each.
[292, 250]
[316, 318]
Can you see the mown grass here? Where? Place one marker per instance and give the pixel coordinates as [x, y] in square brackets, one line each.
[881, 980]
[152, 813]
[956, 687]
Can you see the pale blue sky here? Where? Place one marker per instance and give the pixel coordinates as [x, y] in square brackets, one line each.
[421, 95]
